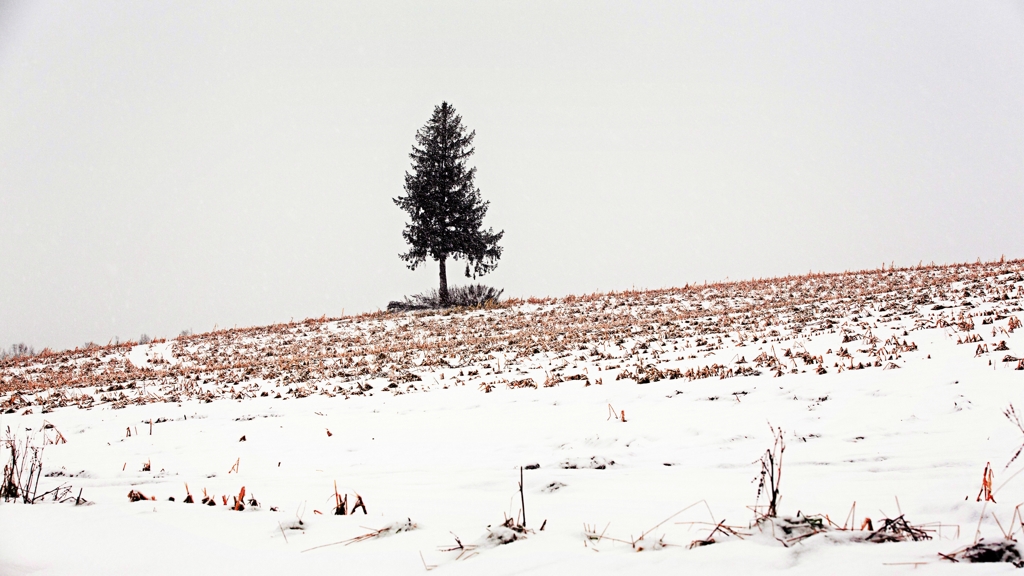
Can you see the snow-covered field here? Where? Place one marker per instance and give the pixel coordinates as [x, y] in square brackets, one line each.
[639, 419]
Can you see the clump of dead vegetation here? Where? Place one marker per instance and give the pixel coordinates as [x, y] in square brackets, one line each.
[24, 469]
[789, 530]
[341, 507]
[898, 530]
[510, 530]
[506, 532]
[472, 296]
[1005, 550]
[650, 540]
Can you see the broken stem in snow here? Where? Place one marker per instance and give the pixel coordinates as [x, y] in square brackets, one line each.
[522, 498]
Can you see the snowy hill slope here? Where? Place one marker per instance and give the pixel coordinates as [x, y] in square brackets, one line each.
[624, 409]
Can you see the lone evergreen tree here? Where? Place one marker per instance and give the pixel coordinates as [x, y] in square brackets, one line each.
[443, 202]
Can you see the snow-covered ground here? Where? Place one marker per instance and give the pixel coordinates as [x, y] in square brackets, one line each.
[633, 414]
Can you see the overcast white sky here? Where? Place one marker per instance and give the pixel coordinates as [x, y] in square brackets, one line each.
[173, 165]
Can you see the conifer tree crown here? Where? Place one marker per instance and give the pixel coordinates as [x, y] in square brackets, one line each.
[444, 205]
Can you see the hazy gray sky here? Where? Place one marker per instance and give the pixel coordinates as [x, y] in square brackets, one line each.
[172, 165]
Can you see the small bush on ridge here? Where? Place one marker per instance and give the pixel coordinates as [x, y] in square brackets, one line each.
[472, 296]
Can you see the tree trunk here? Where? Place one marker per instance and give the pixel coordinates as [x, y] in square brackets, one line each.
[443, 291]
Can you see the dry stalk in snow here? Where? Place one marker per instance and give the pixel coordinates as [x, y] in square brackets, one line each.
[986, 485]
[642, 543]
[393, 528]
[770, 476]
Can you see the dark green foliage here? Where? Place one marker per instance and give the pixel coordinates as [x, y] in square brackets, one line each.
[444, 205]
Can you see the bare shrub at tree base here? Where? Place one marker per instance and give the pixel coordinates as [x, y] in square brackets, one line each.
[472, 296]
